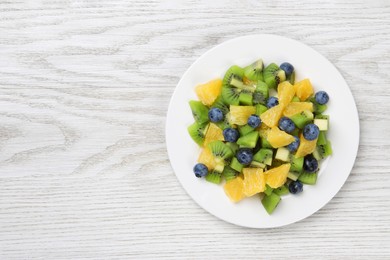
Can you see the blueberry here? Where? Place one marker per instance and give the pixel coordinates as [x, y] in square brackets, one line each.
[254, 121]
[272, 101]
[322, 97]
[244, 156]
[311, 132]
[295, 187]
[287, 67]
[294, 145]
[231, 135]
[286, 124]
[215, 115]
[200, 170]
[310, 164]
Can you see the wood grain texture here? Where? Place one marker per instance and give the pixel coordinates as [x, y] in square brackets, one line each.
[84, 89]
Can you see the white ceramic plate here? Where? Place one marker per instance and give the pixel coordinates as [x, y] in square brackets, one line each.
[343, 133]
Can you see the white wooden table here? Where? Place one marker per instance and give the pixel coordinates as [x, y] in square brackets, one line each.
[84, 89]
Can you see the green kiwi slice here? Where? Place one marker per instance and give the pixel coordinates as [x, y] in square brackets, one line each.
[198, 132]
[264, 155]
[231, 95]
[254, 71]
[302, 119]
[249, 140]
[309, 178]
[222, 152]
[199, 111]
[273, 75]
[229, 173]
[219, 103]
[270, 202]
[214, 177]
[232, 71]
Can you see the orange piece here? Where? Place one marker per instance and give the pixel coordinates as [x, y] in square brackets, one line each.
[304, 89]
[254, 181]
[234, 189]
[305, 147]
[297, 107]
[271, 116]
[213, 133]
[263, 130]
[286, 92]
[208, 92]
[239, 114]
[276, 177]
[278, 138]
[207, 158]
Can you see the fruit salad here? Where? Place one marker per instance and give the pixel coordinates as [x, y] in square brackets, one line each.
[260, 133]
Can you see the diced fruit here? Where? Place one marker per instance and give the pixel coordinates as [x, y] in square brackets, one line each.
[297, 107]
[321, 138]
[294, 145]
[254, 71]
[264, 156]
[222, 152]
[244, 130]
[286, 92]
[198, 132]
[254, 181]
[293, 175]
[302, 119]
[236, 165]
[215, 115]
[304, 89]
[271, 116]
[199, 111]
[309, 178]
[278, 138]
[207, 158]
[287, 67]
[246, 99]
[248, 140]
[306, 147]
[213, 133]
[276, 177]
[260, 109]
[273, 75]
[282, 190]
[219, 103]
[229, 173]
[239, 114]
[296, 164]
[234, 189]
[322, 150]
[270, 202]
[208, 92]
[283, 154]
[268, 190]
[214, 177]
[322, 124]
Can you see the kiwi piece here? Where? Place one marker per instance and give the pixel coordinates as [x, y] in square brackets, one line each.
[245, 129]
[270, 202]
[293, 175]
[198, 132]
[296, 164]
[265, 143]
[219, 103]
[318, 108]
[249, 140]
[254, 71]
[273, 75]
[232, 71]
[268, 190]
[309, 178]
[233, 146]
[295, 99]
[224, 123]
[322, 150]
[222, 152]
[246, 99]
[302, 119]
[282, 154]
[321, 138]
[236, 165]
[255, 164]
[199, 111]
[283, 190]
[261, 93]
[264, 156]
[260, 109]
[295, 132]
[229, 173]
[291, 78]
[214, 177]
[230, 95]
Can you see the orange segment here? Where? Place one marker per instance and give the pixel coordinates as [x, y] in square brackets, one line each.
[286, 92]
[208, 92]
[297, 107]
[271, 116]
[213, 133]
[278, 138]
[254, 181]
[305, 147]
[263, 130]
[304, 89]
[207, 158]
[234, 189]
[276, 177]
[239, 114]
